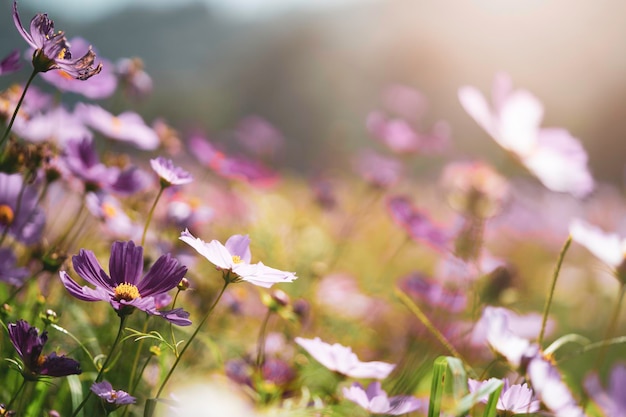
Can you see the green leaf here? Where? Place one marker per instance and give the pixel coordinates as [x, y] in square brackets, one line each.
[449, 377]
[488, 388]
[490, 409]
[76, 391]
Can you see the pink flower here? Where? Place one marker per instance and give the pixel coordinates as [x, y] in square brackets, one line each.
[234, 257]
[553, 155]
[514, 399]
[376, 401]
[612, 401]
[341, 359]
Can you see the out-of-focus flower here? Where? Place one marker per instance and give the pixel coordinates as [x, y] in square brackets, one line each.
[187, 211]
[417, 224]
[20, 215]
[111, 396]
[135, 81]
[125, 288]
[9, 273]
[552, 154]
[341, 359]
[514, 399]
[376, 401]
[56, 124]
[340, 294]
[168, 173]
[29, 345]
[81, 159]
[107, 208]
[433, 293]
[608, 247]
[94, 88]
[398, 125]
[168, 136]
[10, 63]
[126, 127]
[550, 388]
[52, 50]
[324, 193]
[230, 167]
[612, 401]
[378, 170]
[234, 259]
[475, 188]
[277, 372]
[259, 137]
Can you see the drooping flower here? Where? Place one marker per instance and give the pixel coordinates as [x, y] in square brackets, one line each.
[168, 173]
[608, 247]
[95, 88]
[376, 401]
[20, 215]
[29, 345]
[418, 224]
[341, 359]
[10, 63]
[125, 287]
[234, 258]
[9, 272]
[613, 400]
[126, 127]
[553, 155]
[52, 51]
[514, 399]
[111, 396]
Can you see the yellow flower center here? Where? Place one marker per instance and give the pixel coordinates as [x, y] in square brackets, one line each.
[65, 75]
[117, 125]
[41, 360]
[62, 54]
[237, 259]
[127, 292]
[6, 215]
[108, 210]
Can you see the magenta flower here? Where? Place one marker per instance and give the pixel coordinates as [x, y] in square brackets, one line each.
[433, 293]
[169, 173]
[29, 345]
[514, 399]
[608, 247]
[52, 51]
[126, 127]
[378, 170]
[125, 288]
[234, 260]
[341, 359]
[613, 401]
[10, 63]
[553, 155]
[95, 88]
[417, 224]
[111, 396]
[376, 401]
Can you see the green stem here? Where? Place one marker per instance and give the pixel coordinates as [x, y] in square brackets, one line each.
[104, 365]
[17, 393]
[17, 108]
[145, 229]
[193, 336]
[137, 354]
[610, 330]
[555, 276]
[172, 326]
[260, 347]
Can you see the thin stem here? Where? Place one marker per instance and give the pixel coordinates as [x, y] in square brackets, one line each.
[17, 108]
[73, 221]
[145, 229]
[593, 346]
[172, 326]
[137, 354]
[610, 330]
[193, 336]
[104, 365]
[428, 324]
[17, 393]
[555, 276]
[260, 347]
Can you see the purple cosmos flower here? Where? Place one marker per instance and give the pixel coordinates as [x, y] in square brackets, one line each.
[376, 401]
[136, 82]
[52, 50]
[95, 88]
[259, 137]
[125, 287]
[126, 127]
[553, 155]
[10, 273]
[613, 401]
[341, 359]
[550, 388]
[432, 292]
[377, 170]
[514, 399]
[234, 258]
[417, 224]
[29, 344]
[169, 173]
[10, 63]
[55, 124]
[107, 209]
[81, 159]
[230, 167]
[608, 247]
[187, 211]
[112, 398]
[19, 212]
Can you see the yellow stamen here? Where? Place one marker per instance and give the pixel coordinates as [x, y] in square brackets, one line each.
[117, 124]
[237, 259]
[127, 292]
[41, 360]
[65, 75]
[108, 210]
[6, 215]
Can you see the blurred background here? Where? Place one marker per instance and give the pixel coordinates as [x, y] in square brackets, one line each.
[316, 68]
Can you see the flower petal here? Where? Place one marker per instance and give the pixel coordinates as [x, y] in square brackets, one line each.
[239, 245]
[214, 251]
[126, 263]
[86, 265]
[164, 275]
[84, 293]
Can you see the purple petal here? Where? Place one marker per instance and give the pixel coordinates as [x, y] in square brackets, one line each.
[239, 245]
[177, 316]
[84, 293]
[164, 275]
[59, 366]
[86, 265]
[126, 263]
